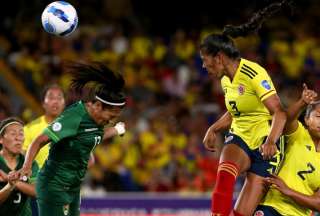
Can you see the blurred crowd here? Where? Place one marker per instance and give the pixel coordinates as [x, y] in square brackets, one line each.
[172, 100]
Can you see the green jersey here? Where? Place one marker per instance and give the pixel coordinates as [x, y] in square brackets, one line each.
[74, 135]
[17, 203]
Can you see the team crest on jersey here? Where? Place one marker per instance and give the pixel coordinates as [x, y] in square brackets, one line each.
[56, 126]
[241, 89]
[265, 84]
[66, 209]
[259, 213]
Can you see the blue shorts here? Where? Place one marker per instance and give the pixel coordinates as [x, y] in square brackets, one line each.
[263, 210]
[259, 166]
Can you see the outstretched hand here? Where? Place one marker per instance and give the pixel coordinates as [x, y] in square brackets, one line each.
[308, 96]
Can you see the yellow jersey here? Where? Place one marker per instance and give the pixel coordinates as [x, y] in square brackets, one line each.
[300, 171]
[243, 98]
[31, 131]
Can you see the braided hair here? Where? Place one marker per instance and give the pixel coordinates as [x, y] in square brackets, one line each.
[214, 43]
[108, 86]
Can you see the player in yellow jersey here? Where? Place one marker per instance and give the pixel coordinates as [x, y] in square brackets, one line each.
[53, 103]
[296, 189]
[254, 116]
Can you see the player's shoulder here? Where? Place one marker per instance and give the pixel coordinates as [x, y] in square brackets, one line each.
[301, 133]
[37, 121]
[74, 110]
[251, 69]
[225, 80]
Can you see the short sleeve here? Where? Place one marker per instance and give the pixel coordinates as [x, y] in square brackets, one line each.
[263, 85]
[66, 125]
[35, 170]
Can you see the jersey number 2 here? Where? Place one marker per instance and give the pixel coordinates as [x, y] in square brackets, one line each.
[234, 107]
[304, 172]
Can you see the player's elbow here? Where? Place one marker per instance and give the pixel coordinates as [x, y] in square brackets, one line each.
[281, 114]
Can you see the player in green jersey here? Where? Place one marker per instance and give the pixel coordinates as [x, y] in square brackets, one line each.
[73, 136]
[14, 194]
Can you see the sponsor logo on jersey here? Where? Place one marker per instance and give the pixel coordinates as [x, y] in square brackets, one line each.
[259, 213]
[90, 129]
[241, 89]
[66, 209]
[228, 139]
[56, 126]
[265, 84]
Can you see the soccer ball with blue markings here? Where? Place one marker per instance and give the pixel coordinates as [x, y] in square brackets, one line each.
[59, 18]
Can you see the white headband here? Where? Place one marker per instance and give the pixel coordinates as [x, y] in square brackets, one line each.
[10, 123]
[110, 103]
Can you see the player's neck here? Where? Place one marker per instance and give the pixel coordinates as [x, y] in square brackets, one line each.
[49, 118]
[232, 67]
[10, 158]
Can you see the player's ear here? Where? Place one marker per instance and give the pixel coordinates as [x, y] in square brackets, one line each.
[219, 57]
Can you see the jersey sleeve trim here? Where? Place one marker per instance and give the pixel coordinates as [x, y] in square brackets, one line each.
[51, 135]
[267, 94]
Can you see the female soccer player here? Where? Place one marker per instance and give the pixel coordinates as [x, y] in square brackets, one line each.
[73, 136]
[254, 113]
[14, 195]
[296, 189]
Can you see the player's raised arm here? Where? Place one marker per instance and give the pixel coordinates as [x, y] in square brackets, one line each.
[307, 97]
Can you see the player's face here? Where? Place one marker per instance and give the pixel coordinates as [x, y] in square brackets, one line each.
[109, 116]
[54, 102]
[104, 116]
[13, 138]
[212, 64]
[313, 122]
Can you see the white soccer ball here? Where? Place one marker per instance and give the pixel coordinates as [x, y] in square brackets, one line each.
[59, 18]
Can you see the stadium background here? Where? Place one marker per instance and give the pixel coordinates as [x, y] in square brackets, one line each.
[160, 163]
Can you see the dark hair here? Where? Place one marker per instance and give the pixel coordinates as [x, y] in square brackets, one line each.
[6, 122]
[311, 107]
[108, 86]
[214, 43]
[48, 87]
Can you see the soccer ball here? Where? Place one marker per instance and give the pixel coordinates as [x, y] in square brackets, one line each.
[59, 18]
